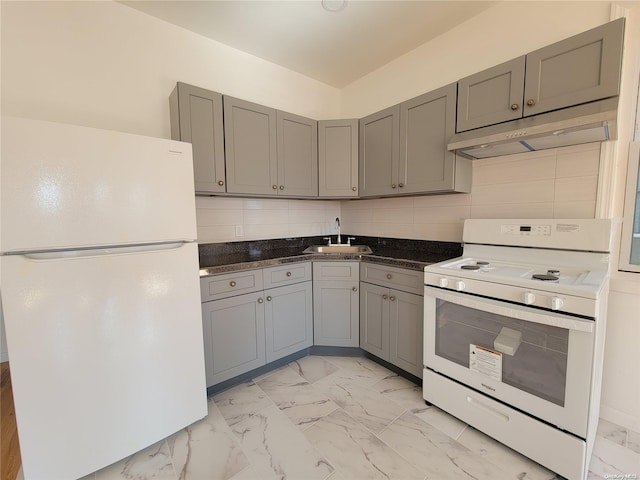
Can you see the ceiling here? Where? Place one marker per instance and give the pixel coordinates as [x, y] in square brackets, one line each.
[335, 48]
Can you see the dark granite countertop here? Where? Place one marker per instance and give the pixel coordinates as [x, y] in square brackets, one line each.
[235, 256]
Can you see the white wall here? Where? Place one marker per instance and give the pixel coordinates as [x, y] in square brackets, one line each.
[102, 64]
[498, 34]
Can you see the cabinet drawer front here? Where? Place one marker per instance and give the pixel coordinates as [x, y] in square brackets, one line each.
[287, 274]
[230, 284]
[411, 281]
[336, 271]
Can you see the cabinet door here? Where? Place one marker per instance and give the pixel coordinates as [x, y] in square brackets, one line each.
[338, 158]
[250, 147]
[336, 313]
[196, 117]
[579, 69]
[426, 124]
[379, 152]
[491, 96]
[405, 327]
[297, 155]
[374, 320]
[234, 341]
[288, 319]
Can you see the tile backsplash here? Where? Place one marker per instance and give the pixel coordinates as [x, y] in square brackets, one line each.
[558, 183]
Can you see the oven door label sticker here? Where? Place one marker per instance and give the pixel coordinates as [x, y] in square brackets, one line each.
[485, 362]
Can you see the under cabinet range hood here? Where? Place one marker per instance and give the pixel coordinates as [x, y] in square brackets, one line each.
[591, 122]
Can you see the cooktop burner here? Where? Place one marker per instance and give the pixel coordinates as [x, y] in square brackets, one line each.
[470, 267]
[545, 277]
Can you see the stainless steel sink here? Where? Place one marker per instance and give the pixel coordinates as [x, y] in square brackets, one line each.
[327, 249]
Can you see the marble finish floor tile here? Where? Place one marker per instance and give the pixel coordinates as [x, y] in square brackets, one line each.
[240, 402]
[277, 449]
[436, 454]
[362, 422]
[296, 397]
[207, 449]
[367, 406]
[356, 452]
[313, 368]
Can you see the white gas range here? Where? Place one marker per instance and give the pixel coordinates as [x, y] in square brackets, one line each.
[514, 335]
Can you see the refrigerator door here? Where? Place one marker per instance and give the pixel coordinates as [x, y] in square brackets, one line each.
[65, 186]
[106, 354]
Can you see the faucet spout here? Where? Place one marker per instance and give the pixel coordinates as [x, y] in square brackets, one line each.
[339, 241]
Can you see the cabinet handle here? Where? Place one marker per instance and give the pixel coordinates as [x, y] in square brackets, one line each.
[288, 274]
[389, 276]
[392, 298]
[515, 106]
[355, 289]
[393, 185]
[275, 187]
[260, 300]
[401, 184]
[281, 187]
[232, 283]
[220, 182]
[354, 188]
[531, 102]
[269, 299]
[384, 297]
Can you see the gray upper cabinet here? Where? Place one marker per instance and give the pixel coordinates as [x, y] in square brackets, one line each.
[491, 96]
[196, 117]
[426, 124]
[403, 149]
[580, 69]
[297, 146]
[338, 158]
[379, 152]
[250, 147]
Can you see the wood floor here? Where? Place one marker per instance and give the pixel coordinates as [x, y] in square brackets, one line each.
[9, 448]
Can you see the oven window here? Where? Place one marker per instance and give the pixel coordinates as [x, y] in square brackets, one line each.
[539, 362]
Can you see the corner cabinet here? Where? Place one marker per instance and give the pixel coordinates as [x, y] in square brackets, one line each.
[391, 315]
[338, 158]
[269, 152]
[580, 69]
[403, 149]
[196, 117]
[336, 303]
[254, 317]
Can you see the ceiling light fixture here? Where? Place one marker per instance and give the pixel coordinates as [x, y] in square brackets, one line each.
[334, 5]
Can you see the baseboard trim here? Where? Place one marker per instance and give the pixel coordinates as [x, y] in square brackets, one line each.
[619, 418]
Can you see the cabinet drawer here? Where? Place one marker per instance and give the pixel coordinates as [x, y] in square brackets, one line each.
[287, 274]
[230, 284]
[411, 281]
[336, 271]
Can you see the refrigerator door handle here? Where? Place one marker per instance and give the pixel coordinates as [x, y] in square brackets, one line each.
[103, 251]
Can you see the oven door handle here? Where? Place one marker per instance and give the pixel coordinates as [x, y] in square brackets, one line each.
[528, 314]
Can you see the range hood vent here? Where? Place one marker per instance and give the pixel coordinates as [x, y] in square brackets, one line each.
[591, 122]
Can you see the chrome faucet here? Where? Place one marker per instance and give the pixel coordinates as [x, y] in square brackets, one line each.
[339, 241]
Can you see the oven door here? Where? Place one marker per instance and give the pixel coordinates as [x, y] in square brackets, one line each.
[536, 361]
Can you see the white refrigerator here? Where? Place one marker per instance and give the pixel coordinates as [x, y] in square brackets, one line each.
[100, 293]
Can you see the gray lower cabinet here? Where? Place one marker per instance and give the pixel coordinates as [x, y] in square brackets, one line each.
[580, 69]
[196, 117]
[391, 320]
[288, 320]
[253, 317]
[338, 158]
[336, 306]
[403, 149]
[234, 336]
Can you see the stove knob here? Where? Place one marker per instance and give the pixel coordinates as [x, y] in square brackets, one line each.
[528, 298]
[460, 286]
[556, 303]
[444, 282]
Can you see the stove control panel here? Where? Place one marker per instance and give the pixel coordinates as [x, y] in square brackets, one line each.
[528, 230]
